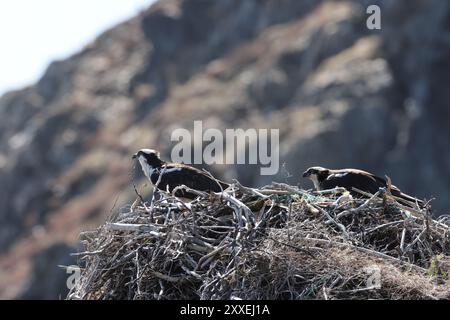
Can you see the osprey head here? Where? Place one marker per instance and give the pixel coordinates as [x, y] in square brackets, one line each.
[317, 175]
[316, 171]
[149, 157]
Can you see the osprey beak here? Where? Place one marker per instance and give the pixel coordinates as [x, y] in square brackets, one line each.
[134, 156]
[306, 174]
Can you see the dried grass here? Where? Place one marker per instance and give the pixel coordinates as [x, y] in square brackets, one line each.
[277, 242]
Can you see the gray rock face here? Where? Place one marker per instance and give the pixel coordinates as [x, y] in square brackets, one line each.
[341, 95]
[49, 281]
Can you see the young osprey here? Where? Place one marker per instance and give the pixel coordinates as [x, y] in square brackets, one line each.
[324, 179]
[176, 174]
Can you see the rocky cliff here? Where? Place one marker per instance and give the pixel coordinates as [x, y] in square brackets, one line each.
[341, 95]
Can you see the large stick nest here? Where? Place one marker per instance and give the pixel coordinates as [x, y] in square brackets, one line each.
[277, 242]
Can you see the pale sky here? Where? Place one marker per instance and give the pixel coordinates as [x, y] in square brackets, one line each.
[35, 32]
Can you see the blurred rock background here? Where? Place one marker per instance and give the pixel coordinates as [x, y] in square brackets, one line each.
[341, 95]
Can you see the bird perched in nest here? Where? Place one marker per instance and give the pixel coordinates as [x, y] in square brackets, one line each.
[325, 179]
[167, 176]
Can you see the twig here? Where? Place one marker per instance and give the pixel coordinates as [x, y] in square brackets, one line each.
[252, 191]
[136, 228]
[339, 225]
[360, 208]
[368, 251]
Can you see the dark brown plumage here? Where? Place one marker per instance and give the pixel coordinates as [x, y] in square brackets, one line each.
[325, 179]
[176, 174]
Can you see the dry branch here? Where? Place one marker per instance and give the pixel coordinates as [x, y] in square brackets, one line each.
[275, 242]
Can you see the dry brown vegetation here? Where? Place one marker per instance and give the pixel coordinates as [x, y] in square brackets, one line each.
[277, 242]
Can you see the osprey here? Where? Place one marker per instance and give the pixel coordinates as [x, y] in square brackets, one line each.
[324, 179]
[176, 174]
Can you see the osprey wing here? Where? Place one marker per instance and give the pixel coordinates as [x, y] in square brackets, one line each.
[349, 179]
[398, 193]
[174, 175]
